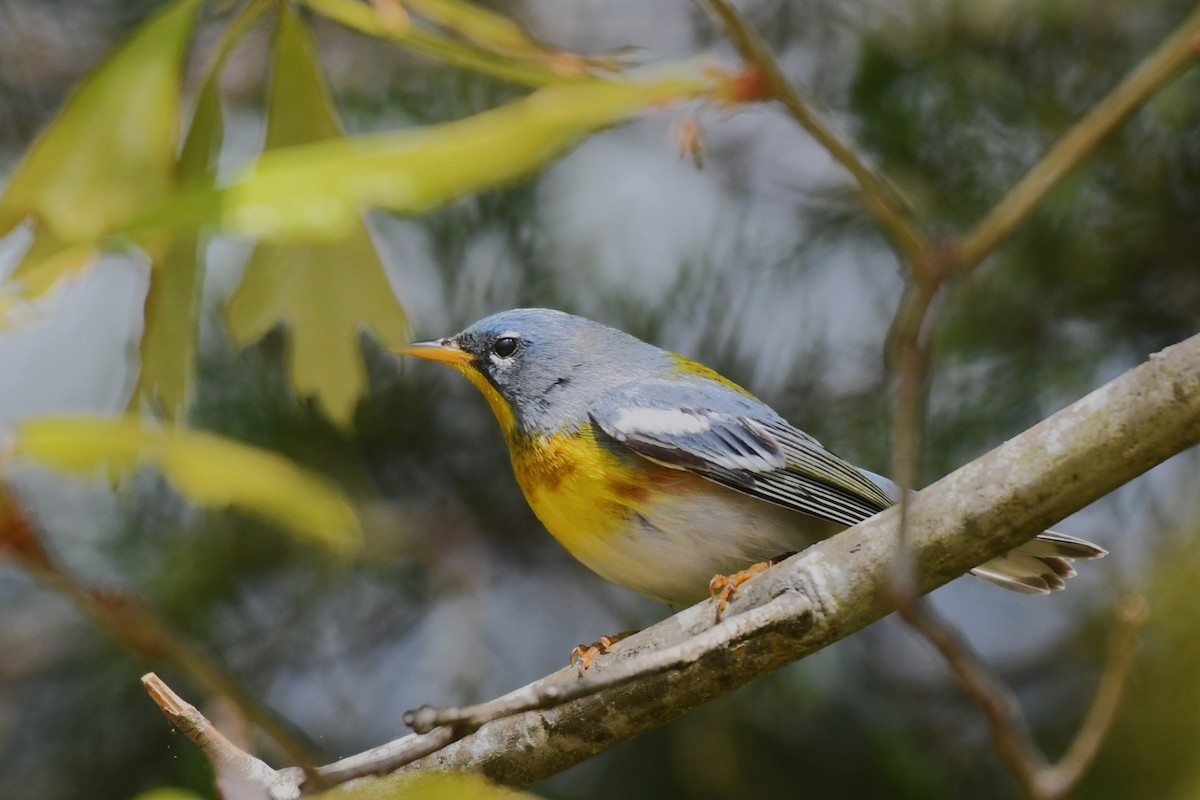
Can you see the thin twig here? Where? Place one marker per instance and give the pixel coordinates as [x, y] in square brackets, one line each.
[997, 703]
[1010, 735]
[910, 353]
[1058, 781]
[881, 199]
[729, 632]
[1177, 52]
[386, 758]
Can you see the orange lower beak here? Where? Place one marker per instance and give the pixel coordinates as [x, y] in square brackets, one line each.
[445, 350]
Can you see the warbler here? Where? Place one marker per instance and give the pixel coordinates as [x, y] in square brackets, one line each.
[658, 473]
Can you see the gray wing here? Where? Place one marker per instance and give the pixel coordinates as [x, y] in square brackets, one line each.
[739, 442]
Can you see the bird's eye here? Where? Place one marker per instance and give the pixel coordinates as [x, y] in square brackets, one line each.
[505, 346]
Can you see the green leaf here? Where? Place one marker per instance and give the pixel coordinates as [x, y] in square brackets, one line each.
[169, 337]
[206, 469]
[325, 292]
[109, 153]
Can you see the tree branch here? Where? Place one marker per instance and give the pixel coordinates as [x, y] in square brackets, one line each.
[825, 593]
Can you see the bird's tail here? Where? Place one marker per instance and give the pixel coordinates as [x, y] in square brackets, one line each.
[1040, 566]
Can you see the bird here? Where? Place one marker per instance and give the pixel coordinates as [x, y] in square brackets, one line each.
[663, 476]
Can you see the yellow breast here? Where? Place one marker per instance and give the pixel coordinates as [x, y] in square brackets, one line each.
[583, 494]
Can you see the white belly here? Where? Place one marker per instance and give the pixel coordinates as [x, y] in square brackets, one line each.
[672, 549]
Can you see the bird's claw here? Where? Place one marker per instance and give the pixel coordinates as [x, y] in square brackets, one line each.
[583, 654]
[722, 588]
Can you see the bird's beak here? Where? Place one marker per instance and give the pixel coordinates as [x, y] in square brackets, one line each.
[445, 350]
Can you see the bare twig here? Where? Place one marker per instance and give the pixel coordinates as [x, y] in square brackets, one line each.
[1037, 777]
[1177, 52]
[228, 758]
[386, 758]
[881, 199]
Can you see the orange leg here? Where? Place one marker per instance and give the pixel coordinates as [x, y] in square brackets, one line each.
[722, 588]
[584, 653]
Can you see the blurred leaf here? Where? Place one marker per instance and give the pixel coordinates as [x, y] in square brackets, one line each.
[324, 292]
[47, 261]
[109, 153]
[362, 17]
[1152, 743]
[486, 28]
[206, 469]
[169, 794]
[477, 24]
[169, 337]
[168, 340]
[395, 27]
[426, 786]
[315, 192]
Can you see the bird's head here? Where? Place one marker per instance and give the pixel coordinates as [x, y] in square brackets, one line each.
[541, 369]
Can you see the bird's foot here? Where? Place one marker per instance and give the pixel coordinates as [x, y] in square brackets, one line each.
[722, 588]
[583, 654]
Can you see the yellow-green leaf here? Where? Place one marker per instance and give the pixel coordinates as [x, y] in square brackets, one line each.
[315, 192]
[209, 470]
[325, 292]
[482, 26]
[424, 786]
[168, 793]
[300, 104]
[110, 151]
[169, 336]
[394, 27]
[168, 341]
[46, 261]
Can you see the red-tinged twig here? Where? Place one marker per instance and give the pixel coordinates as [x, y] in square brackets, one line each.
[138, 629]
[880, 197]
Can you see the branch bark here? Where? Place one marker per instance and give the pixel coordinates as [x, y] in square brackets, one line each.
[825, 593]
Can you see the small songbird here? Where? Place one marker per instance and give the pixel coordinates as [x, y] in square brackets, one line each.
[659, 474]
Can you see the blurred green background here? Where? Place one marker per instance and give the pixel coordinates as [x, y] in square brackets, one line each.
[761, 264]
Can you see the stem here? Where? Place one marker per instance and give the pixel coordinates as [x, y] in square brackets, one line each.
[1172, 56]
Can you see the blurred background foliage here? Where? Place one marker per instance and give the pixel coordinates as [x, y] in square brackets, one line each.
[760, 263]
